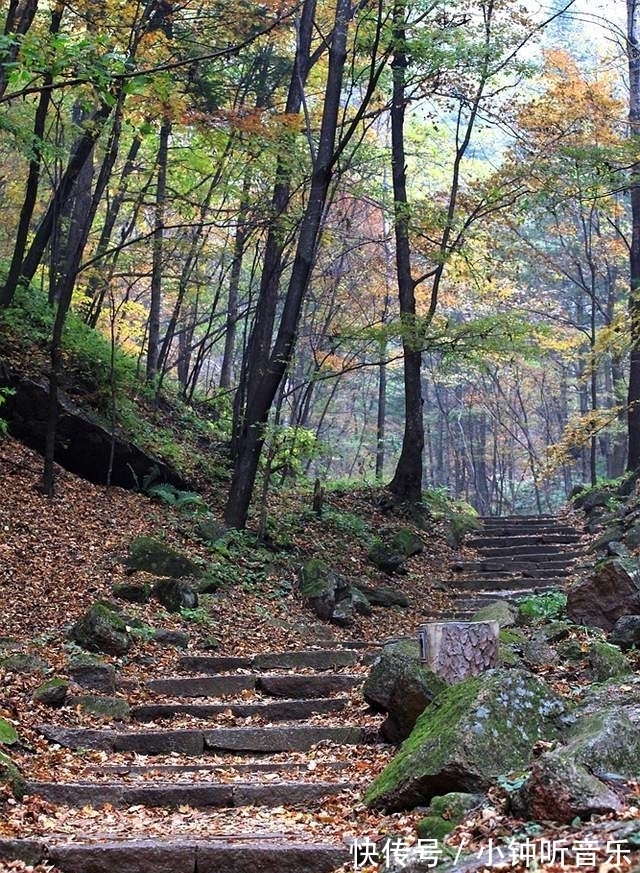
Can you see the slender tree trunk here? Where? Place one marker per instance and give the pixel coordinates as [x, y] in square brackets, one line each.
[633, 53]
[155, 302]
[262, 393]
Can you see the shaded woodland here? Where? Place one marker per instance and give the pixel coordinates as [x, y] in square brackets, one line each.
[395, 242]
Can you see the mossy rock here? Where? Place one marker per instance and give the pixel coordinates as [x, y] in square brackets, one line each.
[399, 685]
[24, 662]
[101, 629]
[326, 592]
[154, 556]
[103, 706]
[605, 742]
[11, 776]
[8, 733]
[499, 611]
[407, 542]
[131, 592]
[445, 813]
[607, 661]
[52, 692]
[469, 735]
[210, 531]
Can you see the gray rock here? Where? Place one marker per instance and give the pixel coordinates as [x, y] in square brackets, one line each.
[23, 662]
[326, 592]
[174, 594]
[561, 789]
[626, 632]
[537, 651]
[102, 705]
[383, 595]
[613, 590]
[470, 734]
[91, 673]
[101, 630]
[164, 637]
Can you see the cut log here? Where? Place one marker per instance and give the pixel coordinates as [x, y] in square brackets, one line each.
[456, 650]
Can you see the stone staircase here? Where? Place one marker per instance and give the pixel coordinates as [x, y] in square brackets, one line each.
[516, 556]
[267, 732]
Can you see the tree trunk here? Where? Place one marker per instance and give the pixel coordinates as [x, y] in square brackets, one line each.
[457, 650]
[153, 339]
[407, 480]
[264, 385]
[633, 54]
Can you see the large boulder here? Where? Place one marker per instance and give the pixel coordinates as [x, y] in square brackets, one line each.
[568, 782]
[154, 556]
[101, 629]
[83, 446]
[469, 735]
[613, 590]
[399, 685]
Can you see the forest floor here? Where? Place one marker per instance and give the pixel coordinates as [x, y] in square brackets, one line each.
[60, 555]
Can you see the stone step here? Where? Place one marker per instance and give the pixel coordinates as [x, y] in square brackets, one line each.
[320, 659]
[198, 742]
[485, 541]
[251, 766]
[280, 710]
[233, 855]
[196, 794]
[297, 686]
[539, 550]
[515, 584]
[489, 520]
[509, 568]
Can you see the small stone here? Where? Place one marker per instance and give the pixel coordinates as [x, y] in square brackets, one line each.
[164, 637]
[626, 632]
[607, 661]
[154, 556]
[89, 672]
[101, 629]
[132, 593]
[24, 662]
[102, 705]
[52, 692]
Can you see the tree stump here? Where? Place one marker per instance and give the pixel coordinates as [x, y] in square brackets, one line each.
[456, 650]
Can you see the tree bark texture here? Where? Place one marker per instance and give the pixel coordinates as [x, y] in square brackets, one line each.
[457, 650]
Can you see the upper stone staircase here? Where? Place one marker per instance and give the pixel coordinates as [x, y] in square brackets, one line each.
[516, 556]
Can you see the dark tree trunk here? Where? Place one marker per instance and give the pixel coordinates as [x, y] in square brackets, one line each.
[153, 336]
[262, 390]
[407, 480]
[633, 53]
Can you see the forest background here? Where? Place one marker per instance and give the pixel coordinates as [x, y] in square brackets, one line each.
[383, 241]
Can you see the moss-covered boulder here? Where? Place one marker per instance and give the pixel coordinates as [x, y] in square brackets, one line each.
[330, 595]
[390, 552]
[498, 610]
[52, 692]
[399, 685]
[175, 595]
[8, 733]
[101, 629]
[154, 556]
[445, 812]
[11, 777]
[103, 706]
[469, 735]
[383, 595]
[607, 661]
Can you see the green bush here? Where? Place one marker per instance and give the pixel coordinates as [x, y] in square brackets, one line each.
[549, 605]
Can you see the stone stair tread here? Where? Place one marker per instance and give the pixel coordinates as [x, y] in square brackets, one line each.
[246, 766]
[269, 854]
[198, 741]
[294, 685]
[278, 710]
[194, 794]
[317, 659]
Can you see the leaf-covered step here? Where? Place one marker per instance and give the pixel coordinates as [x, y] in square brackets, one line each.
[485, 541]
[180, 855]
[278, 710]
[297, 686]
[195, 794]
[197, 742]
[315, 659]
[251, 766]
